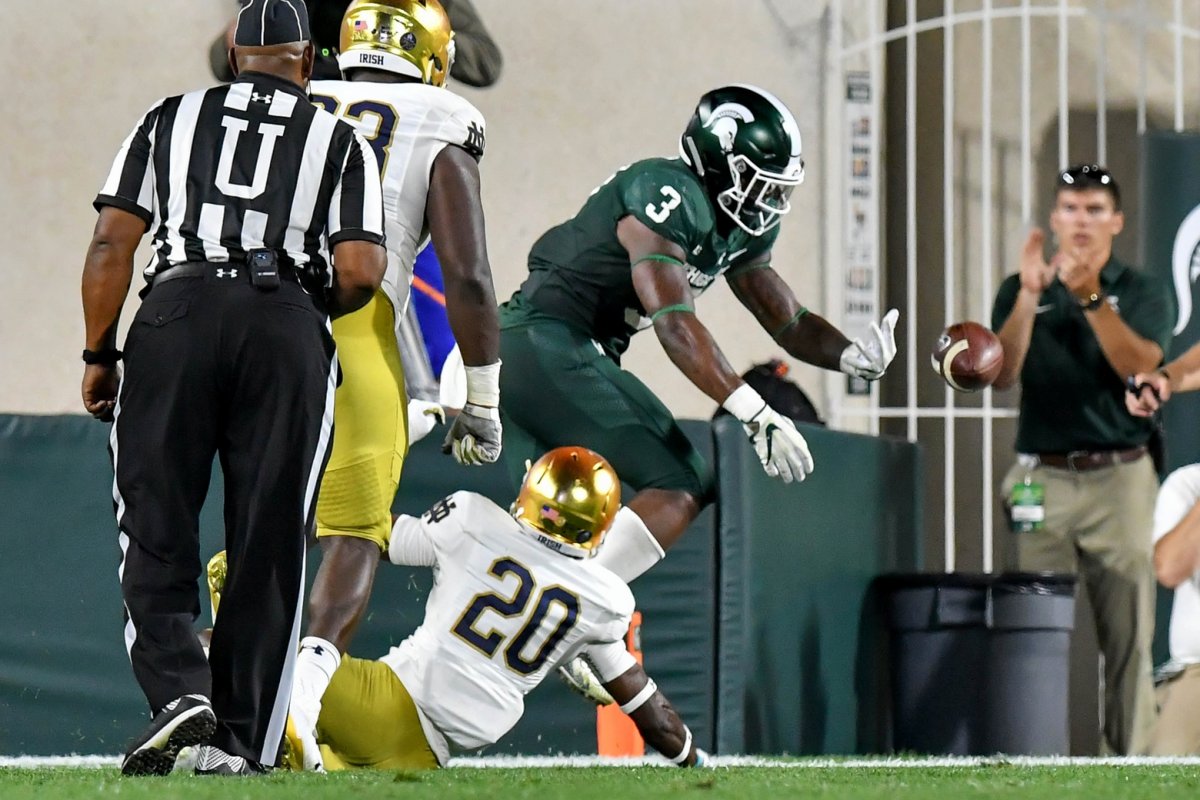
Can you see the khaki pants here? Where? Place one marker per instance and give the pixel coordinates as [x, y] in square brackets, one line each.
[1098, 526]
[1178, 730]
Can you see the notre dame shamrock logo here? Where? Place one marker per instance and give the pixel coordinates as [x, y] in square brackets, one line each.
[474, 142]
[440, 510]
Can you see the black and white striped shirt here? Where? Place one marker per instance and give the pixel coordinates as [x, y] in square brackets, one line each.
[248, 165]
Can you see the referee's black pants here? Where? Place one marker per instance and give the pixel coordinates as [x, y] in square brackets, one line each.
[214, 366]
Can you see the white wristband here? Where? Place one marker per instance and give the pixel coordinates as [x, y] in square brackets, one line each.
[483, 385]
[687, 746]
[641, 697]
[744, 403]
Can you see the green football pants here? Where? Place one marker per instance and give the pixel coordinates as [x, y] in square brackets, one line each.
[558, 388]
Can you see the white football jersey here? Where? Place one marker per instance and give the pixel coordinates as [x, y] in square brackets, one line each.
[505, 609]
[407, 125]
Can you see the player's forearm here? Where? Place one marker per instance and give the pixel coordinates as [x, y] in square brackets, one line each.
[473, 316]
[107, 273]
[1014, 337]
[660, 725]
[692, 349]
[814, 340]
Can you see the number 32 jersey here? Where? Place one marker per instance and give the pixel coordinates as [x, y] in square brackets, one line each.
[579, 272]
[407, 126]
[505, 609]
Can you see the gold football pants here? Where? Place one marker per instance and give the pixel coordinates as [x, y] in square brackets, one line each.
[370, 427]
[368, 720]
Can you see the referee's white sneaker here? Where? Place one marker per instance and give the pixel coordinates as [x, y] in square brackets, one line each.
[183, 722]
[213, 760]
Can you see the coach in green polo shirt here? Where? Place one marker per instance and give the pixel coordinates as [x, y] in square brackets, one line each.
[1073, 329]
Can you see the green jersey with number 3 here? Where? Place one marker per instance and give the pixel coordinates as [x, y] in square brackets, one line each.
[579, 272]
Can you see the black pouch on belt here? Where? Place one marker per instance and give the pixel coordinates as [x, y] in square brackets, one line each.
[264, 270]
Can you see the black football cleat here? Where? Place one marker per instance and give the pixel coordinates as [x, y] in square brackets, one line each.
[184, 722]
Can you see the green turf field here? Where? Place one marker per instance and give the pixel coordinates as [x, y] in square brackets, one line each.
[1094, 782]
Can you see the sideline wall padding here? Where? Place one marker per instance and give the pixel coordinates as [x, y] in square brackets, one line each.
[65, 681]
[753, 636]
[796, 672]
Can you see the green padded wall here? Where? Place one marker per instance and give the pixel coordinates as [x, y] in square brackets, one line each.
[65, 681]
[753, 633]
[799, 668]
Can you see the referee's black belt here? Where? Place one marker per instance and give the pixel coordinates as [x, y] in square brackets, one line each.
[221, 270]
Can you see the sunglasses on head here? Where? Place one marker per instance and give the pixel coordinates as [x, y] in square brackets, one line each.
[1085, 173]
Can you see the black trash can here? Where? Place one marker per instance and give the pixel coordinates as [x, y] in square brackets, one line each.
[980, 663]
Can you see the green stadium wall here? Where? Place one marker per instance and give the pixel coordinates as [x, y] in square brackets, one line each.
[755, 625]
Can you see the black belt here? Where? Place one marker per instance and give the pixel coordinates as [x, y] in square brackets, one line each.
[222, 270]
[1084, 460]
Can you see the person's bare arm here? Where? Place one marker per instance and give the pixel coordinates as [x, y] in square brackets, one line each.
[1017, 330]
[657, 720]
[454, 212]
[107, 273]
[358, 271]
[1177, 554]
[665, 295]
[1127, 352]
[662, 288]
[803, 334]
[1184, 371]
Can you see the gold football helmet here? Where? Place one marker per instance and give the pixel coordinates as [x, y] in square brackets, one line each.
[571, 495]
[410, 37]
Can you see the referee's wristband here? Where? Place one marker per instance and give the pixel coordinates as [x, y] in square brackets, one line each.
[106, 357]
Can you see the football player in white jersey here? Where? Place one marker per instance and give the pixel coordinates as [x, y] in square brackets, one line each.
[396, 55]
[515, 594]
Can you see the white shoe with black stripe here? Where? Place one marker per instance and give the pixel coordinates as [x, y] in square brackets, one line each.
[213, 760]
[183, 722]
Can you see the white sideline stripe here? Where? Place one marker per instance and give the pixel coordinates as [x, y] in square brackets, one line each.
[882, 762]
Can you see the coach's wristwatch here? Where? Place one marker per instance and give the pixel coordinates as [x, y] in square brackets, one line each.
[1092, 301]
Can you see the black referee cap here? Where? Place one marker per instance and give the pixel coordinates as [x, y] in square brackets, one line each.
[262, 23]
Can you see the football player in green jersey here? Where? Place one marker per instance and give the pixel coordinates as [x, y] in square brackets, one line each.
[643, 246]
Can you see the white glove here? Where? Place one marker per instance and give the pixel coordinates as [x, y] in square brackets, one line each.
[703, 759]
[870, 359]
[423, 417]
[780, 447]
[474, 438]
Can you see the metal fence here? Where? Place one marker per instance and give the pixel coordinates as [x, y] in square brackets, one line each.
[945, 122]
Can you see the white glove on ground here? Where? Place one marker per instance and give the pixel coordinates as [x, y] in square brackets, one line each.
[780, 447]
[423, 417]
[870, 359]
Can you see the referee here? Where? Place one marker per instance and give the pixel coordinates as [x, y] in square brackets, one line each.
[244, 187]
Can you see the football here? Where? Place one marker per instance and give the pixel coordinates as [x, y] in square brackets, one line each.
[967, 356]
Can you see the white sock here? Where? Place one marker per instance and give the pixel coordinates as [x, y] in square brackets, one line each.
[629, 549]
[317, 661]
